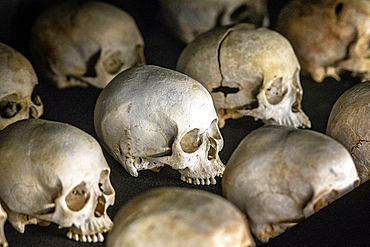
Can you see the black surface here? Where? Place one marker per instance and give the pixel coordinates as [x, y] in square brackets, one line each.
[343, 223]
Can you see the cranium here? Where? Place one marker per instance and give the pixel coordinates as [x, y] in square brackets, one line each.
[18, 79]
[189, 18]
[3, 217]
[279, 175]
[349, 123]
[76, 44]
[149, 116]
[179, 217]
[248, 71]
[328, 36]
[53, 172]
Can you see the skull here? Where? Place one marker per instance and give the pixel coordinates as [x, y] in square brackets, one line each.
[53, 172]
[149, 116]
[3, 217]
[191, 18]
[349, 124]
[179, 217]
[328, 36]
[279, 175]
[76, 44]
[18, 79]
[247, 71]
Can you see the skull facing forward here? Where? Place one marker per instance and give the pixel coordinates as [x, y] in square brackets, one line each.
[150, 116]
[54, 172]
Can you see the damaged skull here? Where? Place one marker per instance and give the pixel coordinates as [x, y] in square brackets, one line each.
[179, 217]
[150, 116]
[17, 82]
[349, 123]
[189, 18]
[77, 44]
[53, 172]
[279, 175]
[247, 71]
[328, 36]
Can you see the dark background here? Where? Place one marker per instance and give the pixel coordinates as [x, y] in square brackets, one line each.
[343, 223]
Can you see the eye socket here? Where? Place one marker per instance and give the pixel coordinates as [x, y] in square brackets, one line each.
[275, 93]
[213, 130]
[104, 183]
[113, 63]
[77, 197]
[191, 141]
[9, 106]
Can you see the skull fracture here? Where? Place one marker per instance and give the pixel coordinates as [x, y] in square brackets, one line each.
[149, 116]
[247, 71]
[179, 217]
[53, 172]
[349, 124]
[189, 18]
[279, 175]
[77, 44]
[17, 81]
[329, 36]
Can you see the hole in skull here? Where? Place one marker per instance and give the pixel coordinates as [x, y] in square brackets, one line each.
[91, 63]
[9, 106]
[191, 141]
[100, 207]
[275, 93]
[240, 14]
[77, 197]
[338, 8]
[104, 183]
[226, 90]
[113, 63]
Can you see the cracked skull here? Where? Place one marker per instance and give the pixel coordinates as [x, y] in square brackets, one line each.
[248, 72]
[179, 217]
[54, 172]
[80, 44]
[149, 116]
[279, 175]
[329, 36]
[189, 18]
[349, 124]
[18, 80]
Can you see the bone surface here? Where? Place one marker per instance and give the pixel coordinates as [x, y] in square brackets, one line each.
[149, 116]
[349, 123]
[280, 175]
[3, 217]
[17, 82]
[179, 217]
[328, 36]
[81, 44]
[189, 18]
[54, 172]
[248, 72]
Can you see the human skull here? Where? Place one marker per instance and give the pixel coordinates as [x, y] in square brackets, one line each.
[179, 217]
[3, 217]
[328, 36]
[279, 175]
[53, 172]
[149, 116]
[18, 79]
[247, 71]
[189, 18]
[349, 122]
[77, 44]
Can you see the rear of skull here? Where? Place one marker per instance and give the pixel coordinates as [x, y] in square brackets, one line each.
[280, 175]
[188, 19]
[81, 44]
[249, 72]
[149, 116]
[53, 172]
[329, 36]
[17, 83]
